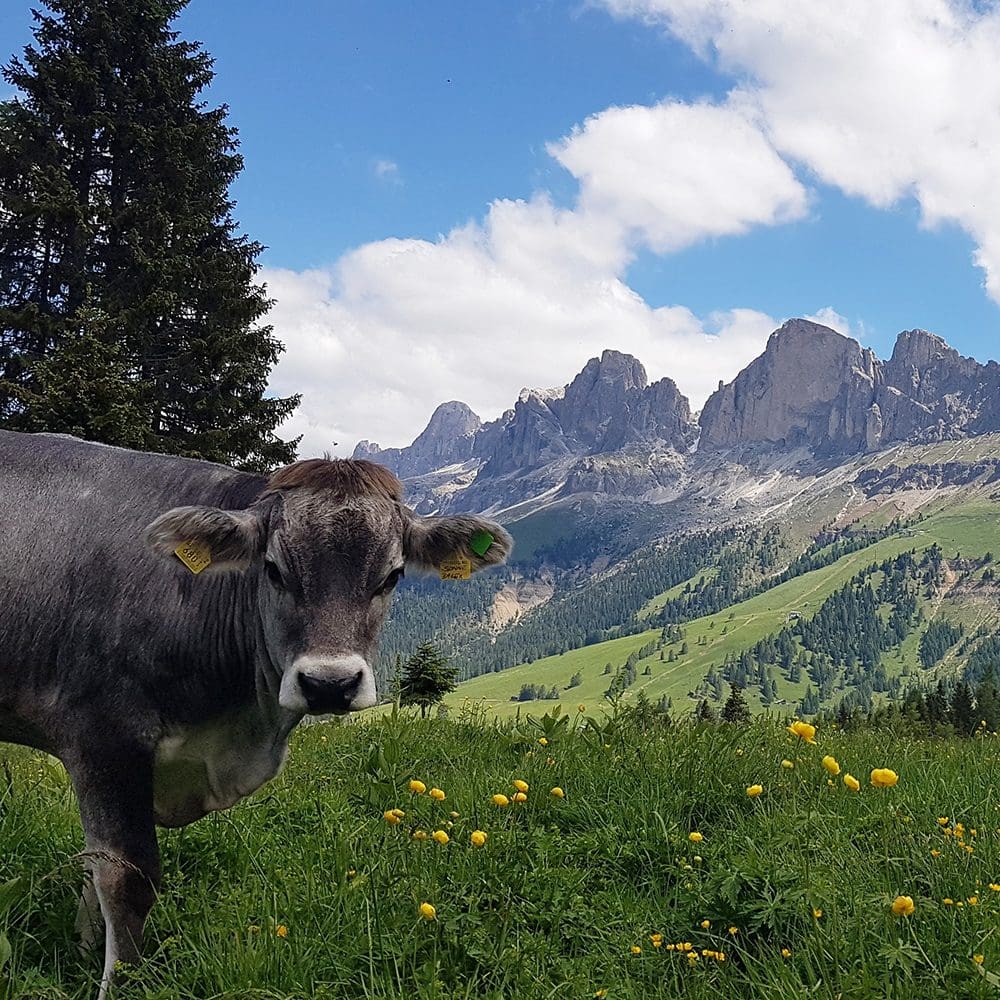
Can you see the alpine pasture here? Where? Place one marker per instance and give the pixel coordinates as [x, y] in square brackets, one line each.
[653, 873]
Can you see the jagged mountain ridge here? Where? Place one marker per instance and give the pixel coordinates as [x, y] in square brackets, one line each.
[813, 393]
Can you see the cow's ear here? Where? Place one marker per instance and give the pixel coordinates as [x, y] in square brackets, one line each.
[207, 538]
[432, 542]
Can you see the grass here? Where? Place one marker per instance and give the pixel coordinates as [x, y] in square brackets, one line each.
[970, 528]
[564, 889]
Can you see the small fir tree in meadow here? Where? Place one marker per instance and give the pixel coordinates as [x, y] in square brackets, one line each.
[736, 710]
[426, 678]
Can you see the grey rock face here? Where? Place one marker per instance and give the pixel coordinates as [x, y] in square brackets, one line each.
[811, 386]
[814, 387]
[447, 439]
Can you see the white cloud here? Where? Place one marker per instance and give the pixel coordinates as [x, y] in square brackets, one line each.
[387, 170]
[674, 174]
[530, 293]
[884, 100]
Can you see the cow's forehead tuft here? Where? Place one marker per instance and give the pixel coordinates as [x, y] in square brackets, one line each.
[347, 478]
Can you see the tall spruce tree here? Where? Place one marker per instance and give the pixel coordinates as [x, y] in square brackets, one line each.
[427, 678]
[128, 308]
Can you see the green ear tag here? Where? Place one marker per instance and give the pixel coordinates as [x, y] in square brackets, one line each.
[481, 542]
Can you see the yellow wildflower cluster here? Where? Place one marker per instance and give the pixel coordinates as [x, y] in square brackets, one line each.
[393, 816]
[957, 833]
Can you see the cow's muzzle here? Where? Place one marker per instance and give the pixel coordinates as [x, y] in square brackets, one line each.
[322, 686]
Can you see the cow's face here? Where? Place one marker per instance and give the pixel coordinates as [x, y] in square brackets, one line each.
[325, 560]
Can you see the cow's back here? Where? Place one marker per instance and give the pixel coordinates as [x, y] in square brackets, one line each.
[87, 613]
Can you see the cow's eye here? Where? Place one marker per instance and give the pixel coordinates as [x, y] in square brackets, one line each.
[389, 583]
[273, 573]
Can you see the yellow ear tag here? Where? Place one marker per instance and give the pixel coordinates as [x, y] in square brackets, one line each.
[195, 555]
[455, 567]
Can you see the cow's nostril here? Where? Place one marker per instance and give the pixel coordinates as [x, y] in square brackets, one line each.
[329, 694]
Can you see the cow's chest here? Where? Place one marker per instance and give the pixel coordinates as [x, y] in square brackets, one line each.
[211, 767]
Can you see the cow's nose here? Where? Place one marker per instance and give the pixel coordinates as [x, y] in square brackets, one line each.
[330, 694]
[318, 685]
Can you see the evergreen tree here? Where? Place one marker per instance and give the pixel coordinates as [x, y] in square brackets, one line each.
[426, 678]
[128, 309]
[705, 712]
[736, 710]
[963, 715]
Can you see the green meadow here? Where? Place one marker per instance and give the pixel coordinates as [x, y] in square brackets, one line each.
[307, 891]
[970, 529]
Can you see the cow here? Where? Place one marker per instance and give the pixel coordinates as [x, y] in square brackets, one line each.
[165, 623]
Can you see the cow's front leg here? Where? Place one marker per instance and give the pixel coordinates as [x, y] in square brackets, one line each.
[114, 785]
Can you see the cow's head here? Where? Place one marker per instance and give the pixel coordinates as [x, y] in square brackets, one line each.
[326, 543]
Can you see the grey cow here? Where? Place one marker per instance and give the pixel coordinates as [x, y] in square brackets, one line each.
[169, 692]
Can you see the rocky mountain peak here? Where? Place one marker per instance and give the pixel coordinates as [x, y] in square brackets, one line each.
[812, 386]
[447, 439]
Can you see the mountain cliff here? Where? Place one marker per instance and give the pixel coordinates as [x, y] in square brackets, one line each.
[815, 387]
[814, 395]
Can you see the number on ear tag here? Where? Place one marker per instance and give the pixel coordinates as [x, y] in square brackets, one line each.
[455, 567]
[195, 555]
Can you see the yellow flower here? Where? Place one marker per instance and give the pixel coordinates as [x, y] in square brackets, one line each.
[948, 901]
[521, 786]
[441, 837]
[544, 742]
[786, 953]
[281, 930]
[695, 837]
[705, 924]
[884, 777]
[436, 794]
[943, 820]
[817, 913]
[831, 765]
[635, 949]
[935, 853]
[803, 730]
[520, 797]
[978, 959]
[392, 816]
[787, 764]
[453, 814]
[478, 838]
[852, 783]
[557, 792]
[656, 940]
[419, 834]
[903, 906]
[734, 931]
[600, 993]
[754, 790]
[995, 887]
[973, 901]
[427, 911]
[501, 800]
[418, 786]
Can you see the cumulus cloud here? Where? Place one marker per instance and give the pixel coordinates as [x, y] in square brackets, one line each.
[887, 100]
[532, 291]
[675, 173]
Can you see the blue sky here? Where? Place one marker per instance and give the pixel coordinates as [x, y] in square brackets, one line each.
[460, 199]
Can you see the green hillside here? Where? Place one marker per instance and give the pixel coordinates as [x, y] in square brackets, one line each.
[967, 529]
